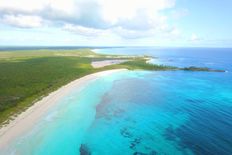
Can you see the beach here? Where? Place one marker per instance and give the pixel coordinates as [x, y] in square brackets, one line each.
[26, 120]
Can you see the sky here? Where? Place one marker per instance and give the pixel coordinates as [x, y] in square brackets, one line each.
[169, 23]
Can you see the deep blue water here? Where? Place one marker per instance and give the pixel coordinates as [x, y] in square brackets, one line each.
[164, 113]
[202, 99]
[218, 58]
[142, 112]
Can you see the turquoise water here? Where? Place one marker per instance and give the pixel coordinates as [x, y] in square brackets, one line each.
[154, 113]
[140, 113]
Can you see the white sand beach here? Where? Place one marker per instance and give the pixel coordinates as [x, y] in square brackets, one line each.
[25, 121]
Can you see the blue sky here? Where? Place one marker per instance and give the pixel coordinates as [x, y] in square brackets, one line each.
[205, 23]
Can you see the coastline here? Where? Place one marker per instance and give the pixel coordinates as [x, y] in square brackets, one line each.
[28, 118]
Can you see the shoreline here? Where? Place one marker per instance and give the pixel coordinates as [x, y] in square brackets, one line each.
[24, 121]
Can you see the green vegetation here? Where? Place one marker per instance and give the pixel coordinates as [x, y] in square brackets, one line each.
[21, 82]
[140, 64]
[204, 69]
[27, 76]
[42, 53]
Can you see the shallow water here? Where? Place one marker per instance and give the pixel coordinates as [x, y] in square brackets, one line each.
[138, 112]
[155, 113]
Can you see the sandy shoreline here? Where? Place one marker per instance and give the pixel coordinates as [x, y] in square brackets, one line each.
[27, 119]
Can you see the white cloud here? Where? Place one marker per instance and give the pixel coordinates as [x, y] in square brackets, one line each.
[194, 37]
[23, 21]
[179, 13]
[26, 6]
[67, 6]
[126, 18]
[131, 34]
[114, 10]
[89, 32]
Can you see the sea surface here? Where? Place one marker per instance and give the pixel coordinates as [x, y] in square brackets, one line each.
[142, 112]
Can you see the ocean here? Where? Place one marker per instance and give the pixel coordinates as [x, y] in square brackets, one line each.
[181, 57]
[143, 112]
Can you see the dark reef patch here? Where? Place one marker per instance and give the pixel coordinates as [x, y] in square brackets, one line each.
[170, 133]
[102, 106]
[84, 150]
[139, 153]
[194, 101]
[135, 142]
[153, 152]
[125, 133]
[203, 136]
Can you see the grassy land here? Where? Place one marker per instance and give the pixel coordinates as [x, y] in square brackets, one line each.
[27, 76]
[140, 63]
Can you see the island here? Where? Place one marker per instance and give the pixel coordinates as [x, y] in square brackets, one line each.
[27, 76]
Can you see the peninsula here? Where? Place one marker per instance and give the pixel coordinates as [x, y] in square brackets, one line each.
[28, 76]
